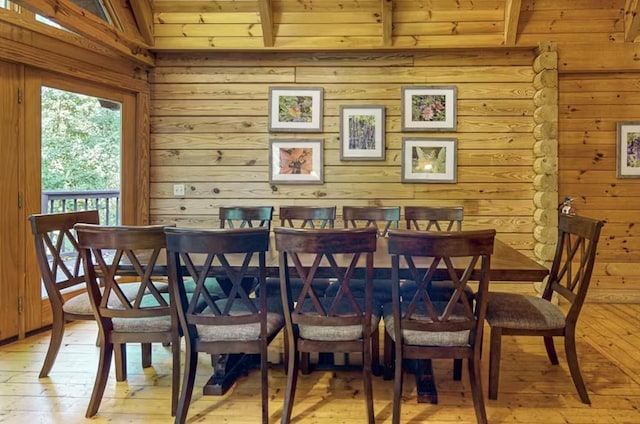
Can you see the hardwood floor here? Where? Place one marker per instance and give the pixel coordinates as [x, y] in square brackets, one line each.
[531, 390]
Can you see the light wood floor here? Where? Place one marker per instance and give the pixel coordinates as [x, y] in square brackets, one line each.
[531, 390]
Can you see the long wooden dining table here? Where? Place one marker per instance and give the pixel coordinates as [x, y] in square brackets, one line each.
[507, 265]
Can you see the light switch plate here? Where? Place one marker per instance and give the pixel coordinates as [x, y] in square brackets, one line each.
[178, 189]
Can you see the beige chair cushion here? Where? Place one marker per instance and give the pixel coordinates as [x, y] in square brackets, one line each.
[147, 324]
[337, 333]
[214, 333]
[427, 338]
[81, 304]
[509, 310]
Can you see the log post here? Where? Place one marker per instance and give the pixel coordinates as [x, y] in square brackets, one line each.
[545, 133]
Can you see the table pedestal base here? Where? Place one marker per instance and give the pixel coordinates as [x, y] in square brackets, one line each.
[425, 382]
[226, 369]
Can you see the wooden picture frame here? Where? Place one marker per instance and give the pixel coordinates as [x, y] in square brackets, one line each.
[296, 161]
[429, 108]
[362, 132]
[628, 150]
[429, 160]
[293, 109]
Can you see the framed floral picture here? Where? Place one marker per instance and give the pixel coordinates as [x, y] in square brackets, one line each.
[362, 132]
[296, 161]
[628, 150]
[295, 109]
[429, 160]
[429, 108]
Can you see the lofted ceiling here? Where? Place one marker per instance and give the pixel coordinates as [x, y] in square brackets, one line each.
[141, 28]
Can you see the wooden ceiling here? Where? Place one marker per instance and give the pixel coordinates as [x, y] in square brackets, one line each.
[143, 27]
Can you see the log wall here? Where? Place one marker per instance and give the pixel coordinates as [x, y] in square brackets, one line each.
[209, 130]
[590, 106]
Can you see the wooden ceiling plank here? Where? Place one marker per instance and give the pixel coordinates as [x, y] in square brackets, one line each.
[386, 17]
[93, 28]
[511, 18]
[266, 19]
[143, 15]
[631, 20]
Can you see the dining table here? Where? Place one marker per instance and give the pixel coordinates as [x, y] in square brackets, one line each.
[507, 265]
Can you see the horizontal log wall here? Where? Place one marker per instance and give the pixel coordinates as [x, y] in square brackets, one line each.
[590, 105]
[209, 131]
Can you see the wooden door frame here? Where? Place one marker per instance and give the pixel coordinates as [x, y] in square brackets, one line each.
[13, 226]
[134, 169]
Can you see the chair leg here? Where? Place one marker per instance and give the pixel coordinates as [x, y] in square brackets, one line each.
[574, 368]
[305, 363]
[292, 381]
[397, 384]
[285, 344]
[121, 361]
[175, 374]
[388, 357]
[551, 350]
[494, 361]
[476, 388]
[104, 364]
[457, 369]
[366, 373]
[146, 355]
[375, 351]
[264, 384]
[57, 332]
[189, 378]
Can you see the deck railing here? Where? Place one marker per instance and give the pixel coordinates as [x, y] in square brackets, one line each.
[107, 202]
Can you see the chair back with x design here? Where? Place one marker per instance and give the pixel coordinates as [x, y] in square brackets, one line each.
[383, 218]
[245, 216]
[431, 218]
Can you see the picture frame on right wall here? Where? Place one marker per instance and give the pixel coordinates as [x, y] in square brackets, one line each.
[429, 108]
[628, 150]
[429, 160]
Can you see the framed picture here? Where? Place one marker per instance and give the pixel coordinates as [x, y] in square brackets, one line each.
[295, 109]
[429, 108]
[628, 150]
[296, 161]
[362, 132]
[429, 160]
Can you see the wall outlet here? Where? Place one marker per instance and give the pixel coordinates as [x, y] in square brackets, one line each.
[178, 189]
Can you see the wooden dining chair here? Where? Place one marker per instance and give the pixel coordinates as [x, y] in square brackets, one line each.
[432, 218]
[511, 314]
[114, 256]
[383, 218]
[307, 216]
[239, 323]
[425, 329]
[303, 217]
[341, 323]
[245, 216]
[62, 273]
[428, 218]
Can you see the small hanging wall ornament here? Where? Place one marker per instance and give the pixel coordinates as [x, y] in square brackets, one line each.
[566, 207]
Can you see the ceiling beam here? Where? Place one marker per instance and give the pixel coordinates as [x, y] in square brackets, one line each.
[80, 21]
[386, 18]
[511, 18]
[143, 14]
[266, 19]
[631, 20]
